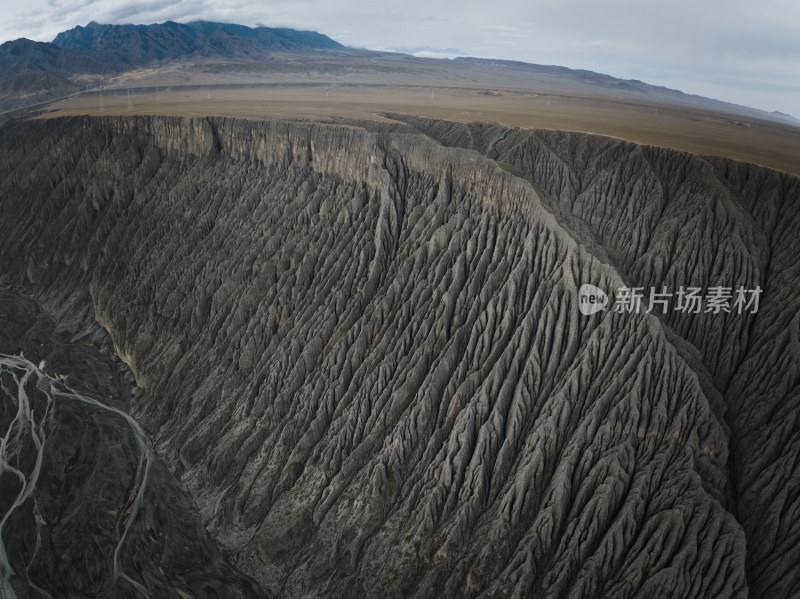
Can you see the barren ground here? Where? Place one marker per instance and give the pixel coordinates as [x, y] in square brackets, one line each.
[335, 88]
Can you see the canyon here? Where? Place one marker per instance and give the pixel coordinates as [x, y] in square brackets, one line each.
[347, 360]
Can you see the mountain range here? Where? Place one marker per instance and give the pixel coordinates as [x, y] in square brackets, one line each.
[38, 71]
[34, 72]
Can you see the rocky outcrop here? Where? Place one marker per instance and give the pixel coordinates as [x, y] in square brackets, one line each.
[361, 351]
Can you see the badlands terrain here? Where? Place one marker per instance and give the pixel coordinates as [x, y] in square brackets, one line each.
[333, 347]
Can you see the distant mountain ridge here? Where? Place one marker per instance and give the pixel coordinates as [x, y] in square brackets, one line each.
[39, 71]
[138, 44]
[633, 86]
[35, 72]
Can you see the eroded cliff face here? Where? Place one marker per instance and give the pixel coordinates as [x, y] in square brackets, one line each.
[361, 351]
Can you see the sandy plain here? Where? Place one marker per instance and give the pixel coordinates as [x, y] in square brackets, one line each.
[346, 87]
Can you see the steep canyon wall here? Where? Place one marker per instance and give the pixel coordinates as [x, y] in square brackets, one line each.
[359, 349]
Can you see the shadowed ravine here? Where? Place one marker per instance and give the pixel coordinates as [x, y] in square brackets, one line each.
[26, 382]
[87, 509]
[359, 350]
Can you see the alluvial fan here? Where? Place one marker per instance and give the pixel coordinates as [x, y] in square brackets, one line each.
[360, 350]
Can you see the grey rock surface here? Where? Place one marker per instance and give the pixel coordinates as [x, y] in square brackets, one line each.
[361, 353]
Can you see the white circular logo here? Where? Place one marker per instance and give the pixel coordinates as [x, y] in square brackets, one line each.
[591, 299]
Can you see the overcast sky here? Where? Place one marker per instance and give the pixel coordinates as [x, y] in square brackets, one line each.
[740, 51]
